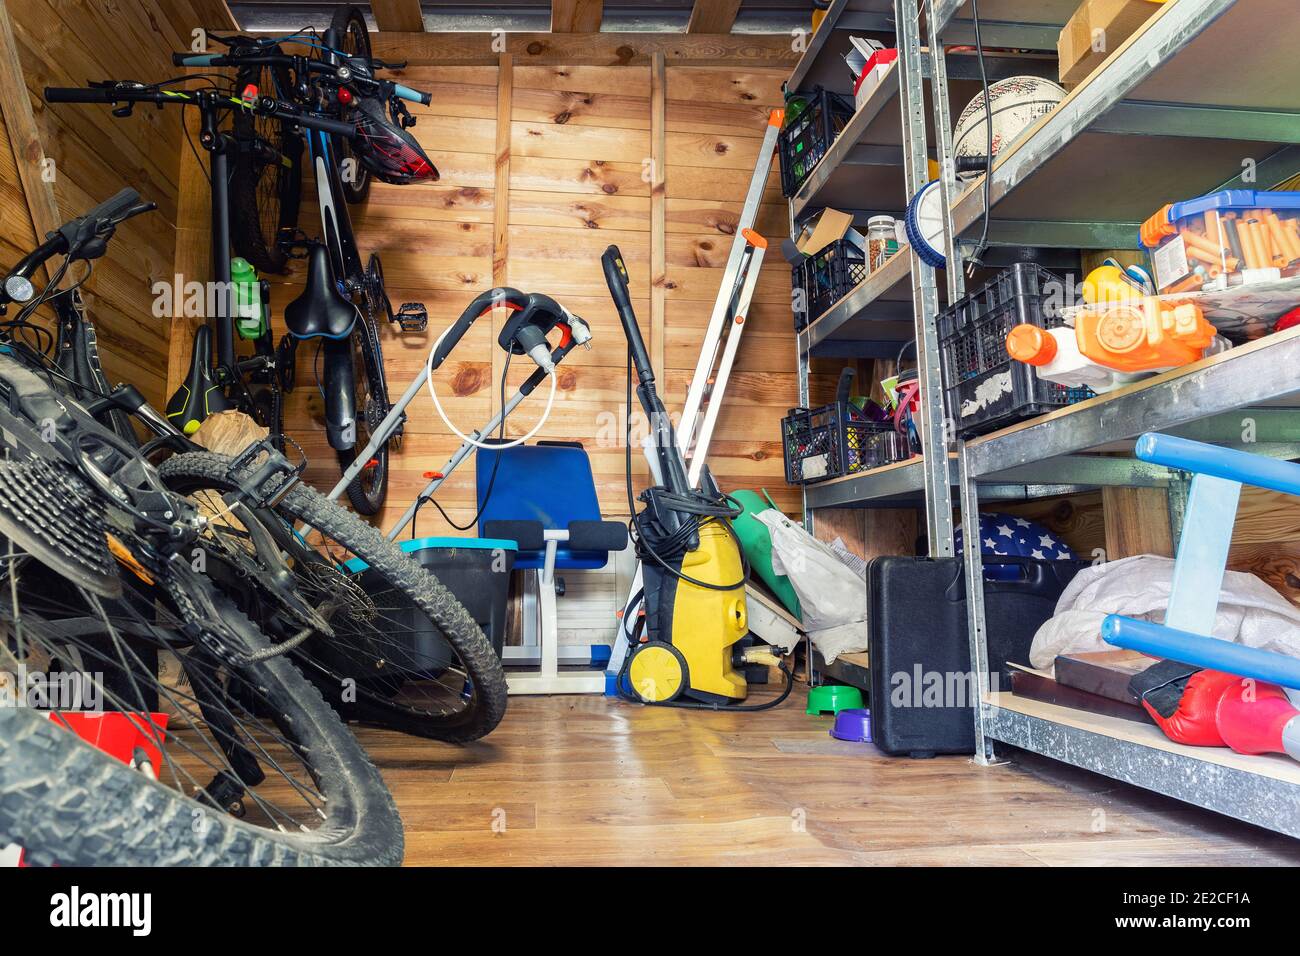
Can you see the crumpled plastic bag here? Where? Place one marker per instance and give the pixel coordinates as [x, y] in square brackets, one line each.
[1250, 612]
[832, 595]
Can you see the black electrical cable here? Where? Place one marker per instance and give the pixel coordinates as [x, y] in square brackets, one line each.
[696, 506]
[988, 138]
[492, 478]
[697, 705]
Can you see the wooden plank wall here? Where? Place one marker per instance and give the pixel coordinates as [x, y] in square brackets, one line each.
[543, 166]
[95, 154]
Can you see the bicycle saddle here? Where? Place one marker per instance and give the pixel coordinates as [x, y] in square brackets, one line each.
[321, 311]
[199, 395]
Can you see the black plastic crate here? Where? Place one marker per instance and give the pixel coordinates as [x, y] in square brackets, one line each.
[831, 441]
[984, 388]
[805, 139]
[826, 277]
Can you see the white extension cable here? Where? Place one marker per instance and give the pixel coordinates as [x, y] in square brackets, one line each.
[433, 393]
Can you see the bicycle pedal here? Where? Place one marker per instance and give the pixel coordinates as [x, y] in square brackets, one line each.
[412, 317]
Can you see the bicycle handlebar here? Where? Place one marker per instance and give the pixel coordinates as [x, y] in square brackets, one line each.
[259, 58]
[142, 94]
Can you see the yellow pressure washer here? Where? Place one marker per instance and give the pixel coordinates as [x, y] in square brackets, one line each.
[690, 615]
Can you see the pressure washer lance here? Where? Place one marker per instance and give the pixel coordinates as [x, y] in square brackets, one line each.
[676, 521]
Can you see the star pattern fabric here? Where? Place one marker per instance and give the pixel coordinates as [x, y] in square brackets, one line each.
[1007, 535]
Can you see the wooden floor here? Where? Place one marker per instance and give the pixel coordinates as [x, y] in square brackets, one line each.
[587, 780]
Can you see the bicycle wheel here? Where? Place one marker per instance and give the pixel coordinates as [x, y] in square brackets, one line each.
[405, 653]
[369, 489]
[266, 185]
[353, 40]
[229, 759]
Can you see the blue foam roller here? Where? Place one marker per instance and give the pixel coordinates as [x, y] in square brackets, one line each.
[1160, 641]
[1226, 463]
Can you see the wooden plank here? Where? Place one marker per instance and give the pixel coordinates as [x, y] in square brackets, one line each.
[576, 16]
[1137, 522]
[397, 16]
[608, 49]
[658, 213]
[501, 220]
[20, 123]
[713, 16]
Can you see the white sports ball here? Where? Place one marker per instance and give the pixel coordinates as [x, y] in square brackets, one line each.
[1017, 103]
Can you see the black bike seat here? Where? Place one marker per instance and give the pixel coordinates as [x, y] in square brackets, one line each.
[321, 311]
[199, 396]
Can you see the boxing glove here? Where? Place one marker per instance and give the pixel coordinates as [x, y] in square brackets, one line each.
[1257, 718]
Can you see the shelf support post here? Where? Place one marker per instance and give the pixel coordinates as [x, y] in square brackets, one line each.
[925, 295]
[973, 568]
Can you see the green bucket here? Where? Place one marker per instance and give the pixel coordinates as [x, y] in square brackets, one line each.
[832, 698]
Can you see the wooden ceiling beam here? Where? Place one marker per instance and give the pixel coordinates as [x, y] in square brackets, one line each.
[713, 16]
[397, 16]
[594, 49]
[576, 16]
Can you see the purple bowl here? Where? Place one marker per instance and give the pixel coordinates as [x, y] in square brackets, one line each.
[853, 724]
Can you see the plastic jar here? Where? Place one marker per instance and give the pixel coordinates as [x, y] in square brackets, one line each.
[882, 241]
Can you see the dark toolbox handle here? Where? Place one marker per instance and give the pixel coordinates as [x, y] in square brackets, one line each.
[1038, 576]
[482, 304]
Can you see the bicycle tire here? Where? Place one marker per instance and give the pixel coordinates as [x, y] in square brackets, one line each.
[350, 23]
[68, 803]
[368, 497]
[251, 234]
[186, 473]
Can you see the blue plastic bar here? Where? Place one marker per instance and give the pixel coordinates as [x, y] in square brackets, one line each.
[1202, 553]
[1160, 641]
[406, 93]
[201, 59]
[1226, 463]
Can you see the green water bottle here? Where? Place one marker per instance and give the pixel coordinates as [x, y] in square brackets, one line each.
[246, 298]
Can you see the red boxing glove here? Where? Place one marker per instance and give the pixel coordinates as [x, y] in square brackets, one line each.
[1255, 718]
[1194, 722]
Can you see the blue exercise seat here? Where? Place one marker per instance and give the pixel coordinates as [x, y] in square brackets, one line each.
[544, 498]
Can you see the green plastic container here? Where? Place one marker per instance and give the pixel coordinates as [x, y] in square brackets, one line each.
[832, 698]
[756, 540]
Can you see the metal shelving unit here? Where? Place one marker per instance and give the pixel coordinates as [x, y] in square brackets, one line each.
[1169, 115]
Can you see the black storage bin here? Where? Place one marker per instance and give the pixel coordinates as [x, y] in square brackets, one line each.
[476, 570]
[918, 645]
[826, 277]
[828, 442]
[984, 388]
[805, 139]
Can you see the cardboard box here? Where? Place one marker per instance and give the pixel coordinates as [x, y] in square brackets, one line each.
[825, 228]
[1097, 29]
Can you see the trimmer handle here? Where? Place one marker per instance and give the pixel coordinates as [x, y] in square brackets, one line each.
[482, 304]
[616, 279]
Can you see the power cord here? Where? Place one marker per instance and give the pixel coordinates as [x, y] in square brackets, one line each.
[975, 260]
[492, 479]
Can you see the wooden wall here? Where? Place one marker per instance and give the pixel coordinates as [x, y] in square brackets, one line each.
[94, 155]
[543, 166]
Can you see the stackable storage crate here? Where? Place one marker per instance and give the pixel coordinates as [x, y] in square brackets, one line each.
[826, 277]
[984, 388]
[805, 139]
[827, 442]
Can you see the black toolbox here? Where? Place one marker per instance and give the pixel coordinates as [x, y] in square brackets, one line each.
[922, 687]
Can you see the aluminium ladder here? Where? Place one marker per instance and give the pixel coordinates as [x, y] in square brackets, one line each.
[708, 386]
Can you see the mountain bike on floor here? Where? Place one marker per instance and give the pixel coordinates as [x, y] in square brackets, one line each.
[227, 754]
[344, 301]
[379, 635]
